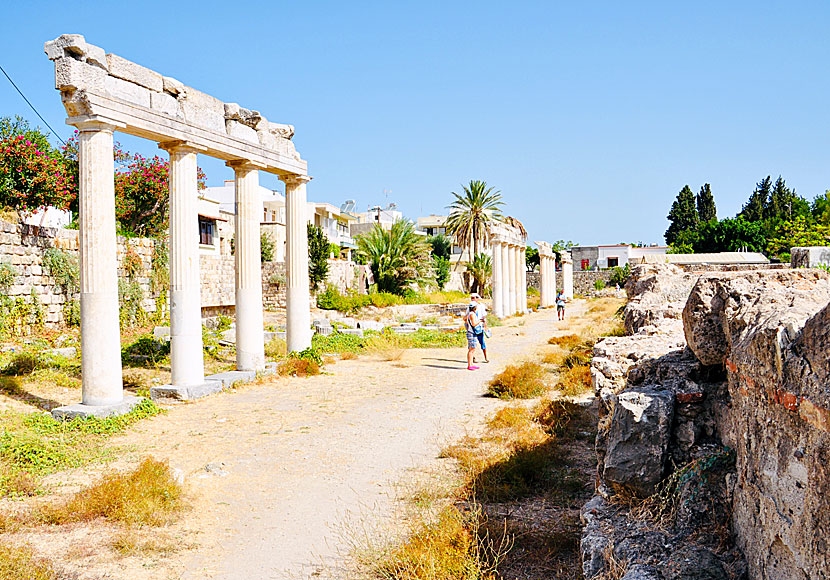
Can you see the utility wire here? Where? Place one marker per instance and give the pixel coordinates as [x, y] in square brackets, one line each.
[55, 133]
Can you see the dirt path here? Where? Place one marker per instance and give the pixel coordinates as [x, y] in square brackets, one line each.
[288, 461]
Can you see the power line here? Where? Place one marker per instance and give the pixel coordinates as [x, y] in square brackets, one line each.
[55, 133]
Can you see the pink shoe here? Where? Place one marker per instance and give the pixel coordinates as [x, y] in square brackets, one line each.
[472, 368]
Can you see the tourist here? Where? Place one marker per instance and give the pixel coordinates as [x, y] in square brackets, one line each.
[560, 305]
[481, 314]
[475, 335]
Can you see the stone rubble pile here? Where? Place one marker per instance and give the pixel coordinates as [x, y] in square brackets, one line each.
[716, 407]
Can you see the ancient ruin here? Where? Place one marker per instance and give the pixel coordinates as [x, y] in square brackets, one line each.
[547, 275]
[716, 410]
[104, 93]
[509, 272]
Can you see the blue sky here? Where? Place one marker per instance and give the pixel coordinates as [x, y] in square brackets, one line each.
[589, 117]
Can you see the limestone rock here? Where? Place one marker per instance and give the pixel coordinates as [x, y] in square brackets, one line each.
[809, 257]
[638, 440]
[127, 91]
[72, 74]
[172, 86]
[642, 572]
[65, 45]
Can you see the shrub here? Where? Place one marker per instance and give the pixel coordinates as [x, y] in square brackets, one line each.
[148, 495]
[620, 276]
[567, 341]
[599, 284]
[522, 381]
[145, 350]
[266, 248]
[7, 276]
[276, 348]
[296, 367]
[574, 381]
[318, 256]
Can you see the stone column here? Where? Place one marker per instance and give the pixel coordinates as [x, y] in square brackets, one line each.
[511, 280]
[517, 276]
[552, 280]
[505, 278]
[567, 275]
[523, 277]
[250, 344]
[498, 305]
[543, 283]
[298, 324]
[186, 357]
[102, 382]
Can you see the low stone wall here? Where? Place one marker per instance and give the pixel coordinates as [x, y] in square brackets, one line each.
[721, 389]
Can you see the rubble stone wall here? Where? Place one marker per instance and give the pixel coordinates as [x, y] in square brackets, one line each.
[717, 409]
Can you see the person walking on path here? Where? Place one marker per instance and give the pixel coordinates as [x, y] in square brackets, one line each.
[481, 314]
[475, 335]
[560, 305]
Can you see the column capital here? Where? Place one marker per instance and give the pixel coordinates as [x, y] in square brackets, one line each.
[87, 123]
[294, 179]
[244, 165]
[181, 146]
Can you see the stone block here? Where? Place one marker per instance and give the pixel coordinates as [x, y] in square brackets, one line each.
[172, 86]
[134, 73]
[127, 91]
[97, 56]
[204, 101]
[370, 325]
[231, 377]
[323, 330]
[352, 331]
[403, 330]
[68, 352]
[161, 331]
[190, 392]
[72, 74]
[204, 118]
[64, 45]
[70, 412]
[638, 439]
[164, 103]
[240, 131]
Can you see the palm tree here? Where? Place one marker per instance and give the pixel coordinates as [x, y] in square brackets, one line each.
[481, 268]
[471, 215]
[397, 257]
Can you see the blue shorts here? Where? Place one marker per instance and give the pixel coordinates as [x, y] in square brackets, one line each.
[474, 340]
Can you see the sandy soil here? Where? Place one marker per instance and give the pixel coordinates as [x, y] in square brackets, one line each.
[273, 470]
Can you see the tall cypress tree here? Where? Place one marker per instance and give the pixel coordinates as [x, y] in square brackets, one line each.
[706, 210]
[683, 214]
[753, 210]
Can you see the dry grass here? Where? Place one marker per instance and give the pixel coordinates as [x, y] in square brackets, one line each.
[345, 355]
[130, 542]
[298, 367]
[555, 357]
[574, 381]
[567, 341]
[522, 381]
[276, 348]
[448, 547]
[148, 495]
[21, 564]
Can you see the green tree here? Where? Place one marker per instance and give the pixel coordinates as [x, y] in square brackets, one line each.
[753, 210]
[531, 259]
[481, 268]
[398, 257]
[441, 266]
[683, 214]
[706, 210]
[820, 208]
[318, 256]
[471, 215]
[441, 245]
[800, 231]
[727, 235]
[266, 248]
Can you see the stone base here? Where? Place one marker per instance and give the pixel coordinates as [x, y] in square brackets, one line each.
[231, 377]
[70, 412]
[185, 393]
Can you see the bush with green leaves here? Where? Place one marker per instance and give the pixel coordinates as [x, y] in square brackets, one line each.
[398, 257]
[441, 266]
[620, 276]
[599, 284]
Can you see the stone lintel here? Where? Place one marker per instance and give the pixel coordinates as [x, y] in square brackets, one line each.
[245, 164]
[295, 179]
[546, 249]
[156, 126]
[69, 412]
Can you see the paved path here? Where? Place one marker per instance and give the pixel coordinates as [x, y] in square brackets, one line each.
[291, 460]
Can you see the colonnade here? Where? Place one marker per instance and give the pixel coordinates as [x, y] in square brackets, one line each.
[509, 271]
[102, 381]
[567, 275]
[547, 275]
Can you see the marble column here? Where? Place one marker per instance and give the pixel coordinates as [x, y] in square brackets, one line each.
[250, 344]
[543, 284]
[517, 275]
[567, 275]
[101, 379]
[298, 324]
[187, 366]
[523, 277]
[498, 305]
[505, 277]
[511, 280]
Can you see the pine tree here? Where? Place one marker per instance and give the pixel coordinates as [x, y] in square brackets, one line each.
[683, 214]
[753, 210]
[706, 210]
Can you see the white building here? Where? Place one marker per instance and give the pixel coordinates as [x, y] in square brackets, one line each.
[433, 225]
[601, 257]
[375, 215]
[336, 225]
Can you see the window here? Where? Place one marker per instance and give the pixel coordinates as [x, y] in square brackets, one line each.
[206, 227]
[613, 262]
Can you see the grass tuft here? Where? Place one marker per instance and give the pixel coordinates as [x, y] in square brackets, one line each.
[574, 381]
[21, 564]
[298, 367]
[522, 381]
[148, 495]
[567, 341]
